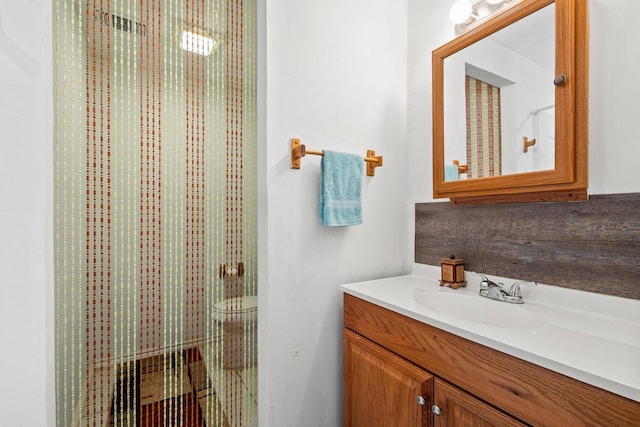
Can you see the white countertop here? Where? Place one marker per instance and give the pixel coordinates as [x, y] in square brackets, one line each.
[590, 337]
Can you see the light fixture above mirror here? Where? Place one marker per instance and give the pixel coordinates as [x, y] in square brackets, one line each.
[466, 13]
[462, 13]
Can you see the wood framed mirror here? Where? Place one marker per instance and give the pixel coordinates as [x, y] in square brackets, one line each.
[510, 119]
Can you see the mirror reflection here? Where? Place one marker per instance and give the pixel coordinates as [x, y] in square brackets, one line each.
[499, 101]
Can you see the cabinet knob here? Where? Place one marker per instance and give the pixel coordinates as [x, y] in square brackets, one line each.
[421, 401]
[560, 80]
[435, 409]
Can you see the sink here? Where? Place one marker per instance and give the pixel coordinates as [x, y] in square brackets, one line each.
[477, 310]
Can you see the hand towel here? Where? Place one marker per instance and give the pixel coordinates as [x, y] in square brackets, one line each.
[451, 173]
[340, 191]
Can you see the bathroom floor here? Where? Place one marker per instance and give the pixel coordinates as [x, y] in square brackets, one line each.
[172, 389]
[186, 388]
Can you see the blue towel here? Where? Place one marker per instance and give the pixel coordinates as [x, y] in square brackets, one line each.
[340, 191]
[451, 173]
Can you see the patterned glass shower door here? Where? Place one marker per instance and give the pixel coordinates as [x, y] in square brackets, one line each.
[155, 216]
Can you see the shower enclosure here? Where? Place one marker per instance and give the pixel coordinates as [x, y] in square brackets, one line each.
[155, 212]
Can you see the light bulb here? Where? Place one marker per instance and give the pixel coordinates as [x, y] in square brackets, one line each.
[460, 11]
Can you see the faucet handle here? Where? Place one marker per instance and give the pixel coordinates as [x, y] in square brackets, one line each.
[514, 290]
[486, 283]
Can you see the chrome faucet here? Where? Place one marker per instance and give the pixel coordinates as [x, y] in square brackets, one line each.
[493, 290]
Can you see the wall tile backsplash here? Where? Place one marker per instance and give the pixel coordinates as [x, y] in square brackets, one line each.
[593, 246]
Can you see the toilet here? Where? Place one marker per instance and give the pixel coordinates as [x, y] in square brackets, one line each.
[238, 316]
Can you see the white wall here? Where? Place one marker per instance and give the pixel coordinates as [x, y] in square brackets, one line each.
[337, 73]
[336, 78]
[614, 97]
[26, 214]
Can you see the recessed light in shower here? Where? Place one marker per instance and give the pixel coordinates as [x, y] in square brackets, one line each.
[198, 43]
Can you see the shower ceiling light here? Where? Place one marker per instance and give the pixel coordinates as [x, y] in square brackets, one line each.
[198, 43]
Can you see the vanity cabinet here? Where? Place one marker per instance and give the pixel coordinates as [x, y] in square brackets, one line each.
[391, 359]
[383, 389]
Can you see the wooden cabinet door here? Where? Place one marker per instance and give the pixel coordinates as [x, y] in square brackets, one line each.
[461, 409]
[381, 389]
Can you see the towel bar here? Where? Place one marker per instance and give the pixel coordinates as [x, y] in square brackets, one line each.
[298, 151]
[461, 168]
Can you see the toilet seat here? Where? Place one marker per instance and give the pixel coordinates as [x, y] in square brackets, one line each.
[237, 308]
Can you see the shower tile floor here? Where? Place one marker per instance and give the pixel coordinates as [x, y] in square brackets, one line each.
[186, 388]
